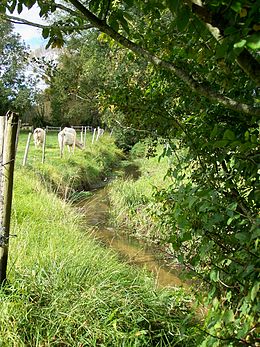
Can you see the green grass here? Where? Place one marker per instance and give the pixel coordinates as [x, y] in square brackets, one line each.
[63, 289]
[131, 200]
[74, 172]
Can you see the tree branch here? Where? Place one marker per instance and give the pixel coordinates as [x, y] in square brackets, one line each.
[70, 11]
[17, 20]
[245, 60]
[195, 86]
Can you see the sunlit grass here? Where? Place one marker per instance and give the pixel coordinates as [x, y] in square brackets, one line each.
[64, 290]
[79, 171]
[131, 200]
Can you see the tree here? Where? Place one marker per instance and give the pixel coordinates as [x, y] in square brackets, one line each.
[113, 18]
[15, 91]
[73, 81]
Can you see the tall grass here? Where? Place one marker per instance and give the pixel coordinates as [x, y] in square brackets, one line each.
[132, 203]
[79, 171]
[65, 290]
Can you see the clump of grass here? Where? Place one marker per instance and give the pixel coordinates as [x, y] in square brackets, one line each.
[65, 290]
[132, 202]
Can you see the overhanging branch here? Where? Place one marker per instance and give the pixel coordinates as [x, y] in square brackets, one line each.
[17, 20]
[198, 88]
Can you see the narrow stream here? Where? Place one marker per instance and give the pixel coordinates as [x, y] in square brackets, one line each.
[96, 210]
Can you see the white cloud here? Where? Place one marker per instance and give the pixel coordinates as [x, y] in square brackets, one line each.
[31, 35]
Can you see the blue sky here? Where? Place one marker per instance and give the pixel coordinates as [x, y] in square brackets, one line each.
[31, 35]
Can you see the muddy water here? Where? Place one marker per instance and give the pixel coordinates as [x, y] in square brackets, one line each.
[96, 211]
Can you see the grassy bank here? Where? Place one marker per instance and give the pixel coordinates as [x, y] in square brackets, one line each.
[132, 204]
[65, 290]
[82, 170]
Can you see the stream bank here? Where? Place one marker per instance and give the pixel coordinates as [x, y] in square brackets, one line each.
[132, 251]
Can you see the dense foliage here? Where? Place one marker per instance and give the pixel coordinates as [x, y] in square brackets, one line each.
[74, 83]
[15, 88]
[193, 79]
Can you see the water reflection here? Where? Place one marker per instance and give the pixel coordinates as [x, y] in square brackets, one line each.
[96, 210]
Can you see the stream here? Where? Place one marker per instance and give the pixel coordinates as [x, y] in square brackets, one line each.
[96, 211]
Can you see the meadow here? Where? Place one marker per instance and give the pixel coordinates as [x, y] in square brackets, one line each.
[63, 288]
[82, 170]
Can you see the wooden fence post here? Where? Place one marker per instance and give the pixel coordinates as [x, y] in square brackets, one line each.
[98, 133]
[26, 149]
[81, 136]
[85, 135]
[43, 146]
[8, 146]
[17, 135]
[93, 137]
[2, 136]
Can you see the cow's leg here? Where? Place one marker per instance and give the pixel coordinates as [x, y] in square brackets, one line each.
[62, 147]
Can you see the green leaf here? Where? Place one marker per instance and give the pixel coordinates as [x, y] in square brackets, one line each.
[29, 3]
[214, 132]
[220, 143]
[130, 3]
[124, 24]
[113, 21]
[215, 303]
[214, 275]
[240, 44]
[254, 291]
[45, 32]
[254, 41]
[221, 50]
[236, 6]
[94, 5]
[255, 234]
[173, 5]
[229, 135]
[192, 200]
[183, 18]
[232, 206]
[247, 135]
[242, 332]
[186, 236]
[180, 258]
[19, 8]
[230, 220]
[11, 7]
[243, 237]
[228, 316]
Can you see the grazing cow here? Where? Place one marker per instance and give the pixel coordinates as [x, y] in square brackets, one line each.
[38, 137]
[68, 136]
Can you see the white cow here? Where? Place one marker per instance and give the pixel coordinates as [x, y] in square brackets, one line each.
[38, 137]
[68, 136]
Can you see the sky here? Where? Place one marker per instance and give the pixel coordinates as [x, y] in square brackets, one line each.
[33, 38]
[31, 35]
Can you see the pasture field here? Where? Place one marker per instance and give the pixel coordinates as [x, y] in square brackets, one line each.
[64, 289]
[79, 171]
